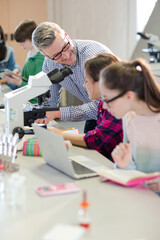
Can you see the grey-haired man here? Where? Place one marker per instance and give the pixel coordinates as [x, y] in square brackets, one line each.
[59, 49]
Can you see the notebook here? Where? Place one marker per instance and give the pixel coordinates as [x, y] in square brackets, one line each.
[55, 154]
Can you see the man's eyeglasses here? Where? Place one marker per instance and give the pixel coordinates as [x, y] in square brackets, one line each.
[64, 49]
[118, 96]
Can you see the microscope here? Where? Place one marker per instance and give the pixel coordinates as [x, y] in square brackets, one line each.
[153, 46]
[15, 116]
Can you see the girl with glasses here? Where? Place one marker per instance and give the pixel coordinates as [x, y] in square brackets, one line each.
[108, 131]
[129, 90]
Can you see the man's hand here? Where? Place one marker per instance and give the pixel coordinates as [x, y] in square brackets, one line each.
[122, 155]
[42, 120]
[51, 115]
[154, 184]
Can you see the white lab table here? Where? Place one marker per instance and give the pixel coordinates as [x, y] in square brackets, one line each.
[117, 212]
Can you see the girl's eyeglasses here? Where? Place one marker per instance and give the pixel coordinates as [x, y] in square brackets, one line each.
[118, 96]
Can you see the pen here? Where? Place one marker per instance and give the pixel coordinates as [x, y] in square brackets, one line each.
[24, 79]
[67, 129]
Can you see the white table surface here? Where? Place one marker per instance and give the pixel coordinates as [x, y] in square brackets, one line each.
[117, 212]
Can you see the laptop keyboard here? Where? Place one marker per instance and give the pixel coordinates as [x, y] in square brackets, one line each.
[79, 169]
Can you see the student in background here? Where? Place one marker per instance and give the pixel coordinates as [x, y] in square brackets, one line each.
[7, 59]
[108, 131]
[129, 90]
[34, 59]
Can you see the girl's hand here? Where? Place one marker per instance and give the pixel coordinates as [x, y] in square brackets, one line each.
[56, 130]
[17, 71]
[14, 79]
[122, 155]
[154, 184]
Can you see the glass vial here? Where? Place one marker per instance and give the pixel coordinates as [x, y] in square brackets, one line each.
[1, 178]
[83, 214]
[15, 191]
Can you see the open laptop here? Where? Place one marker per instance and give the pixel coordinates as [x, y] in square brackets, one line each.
[55, 154]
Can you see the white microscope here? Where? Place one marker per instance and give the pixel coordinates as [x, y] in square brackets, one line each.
[37, 85]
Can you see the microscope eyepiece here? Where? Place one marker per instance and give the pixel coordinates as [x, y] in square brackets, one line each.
[58, 75]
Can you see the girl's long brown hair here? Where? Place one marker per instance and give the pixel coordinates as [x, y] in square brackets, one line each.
[135, 75]
[94, 65]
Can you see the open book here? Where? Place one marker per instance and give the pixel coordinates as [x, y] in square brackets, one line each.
[127, 177]
[71, 130]
[66, 130]
[120, 176]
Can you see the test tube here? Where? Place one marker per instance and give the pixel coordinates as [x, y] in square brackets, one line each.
[1, 144]
[9, 143]
[4, 143]
[14, 145]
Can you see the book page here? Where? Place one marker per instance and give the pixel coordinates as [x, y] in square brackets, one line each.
[68, 130]
[72, 130]
[121, 175]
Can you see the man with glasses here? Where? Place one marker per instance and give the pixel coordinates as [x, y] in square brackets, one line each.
[55, 44]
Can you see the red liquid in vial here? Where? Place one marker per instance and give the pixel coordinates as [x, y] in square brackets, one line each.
[85, 225]
[83, 216]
